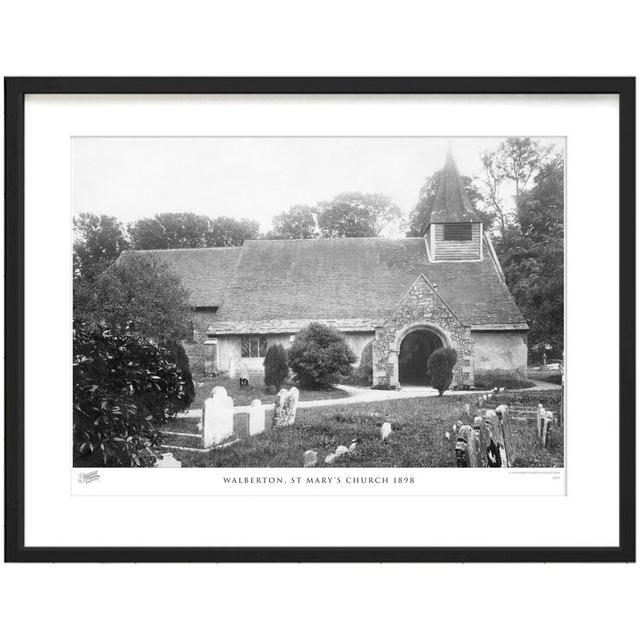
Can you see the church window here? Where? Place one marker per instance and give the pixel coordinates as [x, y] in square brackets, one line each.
[458, 231]
[253, 346]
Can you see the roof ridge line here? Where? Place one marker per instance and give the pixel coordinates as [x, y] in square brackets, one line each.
[182, 249]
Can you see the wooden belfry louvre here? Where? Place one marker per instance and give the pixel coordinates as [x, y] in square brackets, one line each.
[458, 231]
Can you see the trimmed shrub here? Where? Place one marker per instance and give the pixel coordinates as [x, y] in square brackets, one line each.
[320, 357]
[501, 378]
[440, 368]
[276, 368]
[125, 387]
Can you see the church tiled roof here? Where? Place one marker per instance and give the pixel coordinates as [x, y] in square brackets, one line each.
[204, 272]
[353, 283]
[451, 203]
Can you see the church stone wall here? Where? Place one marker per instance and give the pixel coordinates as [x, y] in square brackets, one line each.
[422, 308]
[229, 349]
[195, 348]
[500, 350]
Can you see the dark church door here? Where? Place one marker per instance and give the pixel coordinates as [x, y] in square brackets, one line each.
[415, 350]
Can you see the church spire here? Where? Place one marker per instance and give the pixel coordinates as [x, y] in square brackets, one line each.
[454, 230]
[451, 203]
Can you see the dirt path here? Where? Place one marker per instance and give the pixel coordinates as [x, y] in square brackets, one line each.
[363, 394]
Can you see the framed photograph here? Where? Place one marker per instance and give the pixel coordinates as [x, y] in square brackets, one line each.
[320, 319]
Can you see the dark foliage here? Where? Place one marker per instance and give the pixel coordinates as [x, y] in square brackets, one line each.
[189, 231]
[531, 251]
[295, 224]
[276, 368]
[139, 294]
[181, 359]
[419, 216]
[440, 367]
[124, 388]
[356, 215]
[320, 357]
[500, 378]
[99, 240]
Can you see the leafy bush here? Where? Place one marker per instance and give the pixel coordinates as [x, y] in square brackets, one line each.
[501, 378]
[276, 368]
[440, 367]
[320, 357]
[181, 359]
[138, 293]
[124, 388]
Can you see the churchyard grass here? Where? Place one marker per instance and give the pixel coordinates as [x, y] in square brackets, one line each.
[418, 437]
[242, 396]
[546, 375]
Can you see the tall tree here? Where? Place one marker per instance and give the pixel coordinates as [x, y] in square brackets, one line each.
[148, 233]
[521, 159]
[184, 230]
[417, 225]
[516, 160]
[298, 223]
[141, 294]
[98, 241]
[231, 232]
[531, 251]
[190, 231]
[493, 178]
[541, 209]
[357, 215]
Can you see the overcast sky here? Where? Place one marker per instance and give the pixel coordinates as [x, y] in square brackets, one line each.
[257, 178]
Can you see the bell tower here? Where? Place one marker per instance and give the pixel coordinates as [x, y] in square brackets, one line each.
[454, 231]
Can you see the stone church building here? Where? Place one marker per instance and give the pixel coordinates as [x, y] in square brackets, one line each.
[396, 300]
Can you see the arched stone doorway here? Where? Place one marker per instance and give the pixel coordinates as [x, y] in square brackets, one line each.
[415, 349]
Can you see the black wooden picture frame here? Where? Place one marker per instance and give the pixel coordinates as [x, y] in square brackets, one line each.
[15, 91]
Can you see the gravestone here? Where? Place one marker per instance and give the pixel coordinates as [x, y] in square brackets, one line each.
[501, 411]
[481, 440]
[385, 430]
[473, 447]
[217, 419]
[284, 408]
[278, 409]
[256, 417]
[465, 434]
[167, 461]
[496, 448]
[241, 425]
[310, 458]
[341, 450]
[546, 421]
[291, 406]
[541, 416]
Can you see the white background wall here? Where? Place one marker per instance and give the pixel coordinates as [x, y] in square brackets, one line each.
[327, 38]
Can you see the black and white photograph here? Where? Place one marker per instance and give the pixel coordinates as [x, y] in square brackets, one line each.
[269, 310]
[318, 302]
